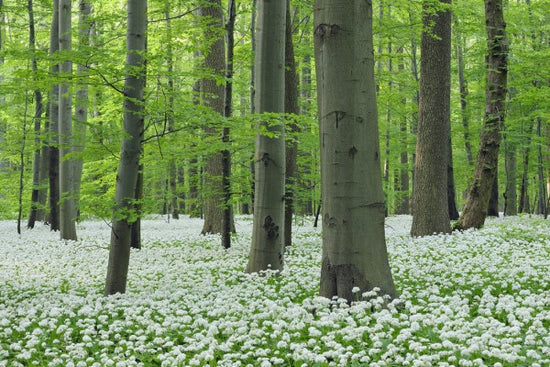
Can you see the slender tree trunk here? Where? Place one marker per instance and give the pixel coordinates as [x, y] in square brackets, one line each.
[430, 191]
[22, 163]
[67, 212]
[492, 208]
[541, 203]
[463, 87]
[475, 209]
[451, 192]
[43, 174]
[3, 162]
[416, 98]
[38, 108]
[226, 155]
[524, 203]
[291, 110]
[54, 123]
[266, 250]
[213, 96]
[510, 195]
[127, 176]
[354, 247]
[135, 236]
[81, 103]
[402, 206]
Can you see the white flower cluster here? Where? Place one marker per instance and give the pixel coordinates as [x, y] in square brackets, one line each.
[469, 299]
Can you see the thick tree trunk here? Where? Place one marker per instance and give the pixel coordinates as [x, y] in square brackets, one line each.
[81, 103]
[430, 198]
[127, 176]
[38, 108]
[54, 123]
[291, 110]
[213, 96]
[67, 208]
[475, 209]
[266, 250]
[354, 247]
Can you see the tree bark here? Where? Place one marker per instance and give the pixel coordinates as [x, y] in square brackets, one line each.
[475, 209]
[213, 96]
[492, 208]
[125, 192]
[430, 191]
[54, 123]
[451, 192]
[354, 247]
[81, 103]
[38, 108]
[510, 195]
[542, 200]
[524, 203]
[266, 250]
[291, 110]
[67, 208]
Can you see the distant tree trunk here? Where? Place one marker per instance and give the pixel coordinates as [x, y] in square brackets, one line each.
[475, 209]
[402, 206]
[266, 250]
[354, 247]
[524, 203]
[135, 236]
[416, 98]
[127, 176]
[38, 108]
[492, 208]
[387, 183]
[3, 162]
[54, 123]
[81, 103]
[430, 198]
[226, 154]
[451, 192]
[67, 212]
[463, 87]
[213, 94]
[291, 110]
[542, 201]
[172, 168]
[44, 171]
[510, 195]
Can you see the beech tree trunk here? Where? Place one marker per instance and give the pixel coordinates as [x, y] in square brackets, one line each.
[54, 123]
[67, 207]
[213, 96]
[492, 208]
[38, 108]
[125, 192]
[475, 209]
[430, 191]
[291, 110]
[266, 250]
[354, 247]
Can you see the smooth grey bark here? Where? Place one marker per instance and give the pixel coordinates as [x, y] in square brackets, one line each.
[354, 247]
[127, 175]
[291, 110]
[266, 250]
[430, 191]
[38, 109]
[67, 207]
[54, 123]
[475, 210]
[81, 102]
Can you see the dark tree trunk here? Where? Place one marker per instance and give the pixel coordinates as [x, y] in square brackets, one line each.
[524, 201]
[510, 195]
[430, 198]
[451, 192]
[492, 209]
[477, 201]
[291, 110]
[54, 113]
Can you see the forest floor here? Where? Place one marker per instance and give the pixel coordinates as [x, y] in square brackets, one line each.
[471, 299]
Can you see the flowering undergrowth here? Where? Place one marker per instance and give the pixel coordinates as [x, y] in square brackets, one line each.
[470, 299]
